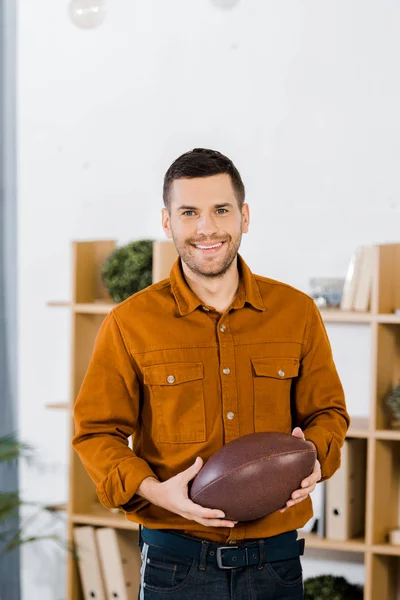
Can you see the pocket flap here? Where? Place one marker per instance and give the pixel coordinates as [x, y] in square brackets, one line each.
[172, 373]
[280, 368]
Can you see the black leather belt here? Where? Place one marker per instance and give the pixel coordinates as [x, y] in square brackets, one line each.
[281, 547]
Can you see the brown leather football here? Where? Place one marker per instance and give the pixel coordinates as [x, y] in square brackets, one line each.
[253, 475]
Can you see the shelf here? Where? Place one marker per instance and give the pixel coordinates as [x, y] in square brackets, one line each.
[390, 318]
[359, 428]
[335, 315]
[59, 303]
[56, 507]
[58, 405]
[314, 541]
[95, 308]
[101, 517]
[388, 549]
[387, 434]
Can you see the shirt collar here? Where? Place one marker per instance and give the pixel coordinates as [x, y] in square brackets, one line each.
[187, 301]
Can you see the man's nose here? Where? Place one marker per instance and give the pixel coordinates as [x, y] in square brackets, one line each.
[206, 225]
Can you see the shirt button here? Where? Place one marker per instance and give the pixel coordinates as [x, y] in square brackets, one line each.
[205, 308]
[226, 371]
[230, 416]
[222, 328]
[170, 379]
[281, 373]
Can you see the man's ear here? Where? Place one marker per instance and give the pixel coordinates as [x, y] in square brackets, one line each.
[245, 218]
[165, 221]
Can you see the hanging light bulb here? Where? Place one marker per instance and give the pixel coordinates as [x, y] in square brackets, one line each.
[87, 14]
[227, 4]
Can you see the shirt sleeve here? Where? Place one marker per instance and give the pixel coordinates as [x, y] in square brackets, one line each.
[318, 399]
[105, 415]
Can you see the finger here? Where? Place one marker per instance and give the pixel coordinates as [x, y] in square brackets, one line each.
[192, 508]
[297, 432]
[215, 522]
[191, 471]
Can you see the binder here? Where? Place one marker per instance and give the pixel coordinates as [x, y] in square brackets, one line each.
[316, 524]
[345, 493]
[88, 563]
[121, 561]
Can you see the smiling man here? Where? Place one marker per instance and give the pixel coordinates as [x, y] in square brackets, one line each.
[212, 353]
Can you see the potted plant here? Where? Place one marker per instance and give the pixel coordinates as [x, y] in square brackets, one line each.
[10, 502]
[128, 269]
[393, 403]
[332, 587]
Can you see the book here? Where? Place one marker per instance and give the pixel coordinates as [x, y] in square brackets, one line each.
[88, 563]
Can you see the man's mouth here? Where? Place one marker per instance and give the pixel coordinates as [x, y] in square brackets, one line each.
[209, 248]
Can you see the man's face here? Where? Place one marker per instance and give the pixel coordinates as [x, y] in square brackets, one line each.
[205, 223]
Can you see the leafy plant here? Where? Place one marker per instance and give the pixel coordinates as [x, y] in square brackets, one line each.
[393, 402]
[12, 537]
[332, 587]
[128, 269]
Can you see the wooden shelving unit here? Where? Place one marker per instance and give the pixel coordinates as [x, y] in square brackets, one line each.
[88, 307]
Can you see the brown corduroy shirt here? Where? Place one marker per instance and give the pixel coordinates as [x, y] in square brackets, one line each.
[184, 379]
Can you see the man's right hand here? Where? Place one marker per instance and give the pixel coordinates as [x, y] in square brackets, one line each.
[173, 496]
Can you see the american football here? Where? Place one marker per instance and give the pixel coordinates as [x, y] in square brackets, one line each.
[254, 475]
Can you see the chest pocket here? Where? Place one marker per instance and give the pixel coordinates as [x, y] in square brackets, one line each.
[272, 381]
[177, 399]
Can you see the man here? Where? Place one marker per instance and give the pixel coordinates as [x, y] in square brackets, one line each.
[191, 363]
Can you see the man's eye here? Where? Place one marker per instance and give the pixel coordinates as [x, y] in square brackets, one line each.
[186, 213]
[223, 209]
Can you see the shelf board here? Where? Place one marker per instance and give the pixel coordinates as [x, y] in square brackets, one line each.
[58, 405]
[389, 549]
[359, 428]
[387, 434]
[95, 308]
[314, 541]
[101, 517]
[389, 318]
[56, 507]
[59, 303]
[335, 315]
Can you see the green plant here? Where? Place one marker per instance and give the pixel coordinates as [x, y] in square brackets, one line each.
[11, 536]
[128, 269]
[393, 402]
[330, 587]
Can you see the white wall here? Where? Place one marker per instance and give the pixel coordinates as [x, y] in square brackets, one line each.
[302, 95]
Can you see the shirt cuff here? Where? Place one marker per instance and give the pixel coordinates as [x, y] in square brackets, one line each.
[118, 490]
[328, 450]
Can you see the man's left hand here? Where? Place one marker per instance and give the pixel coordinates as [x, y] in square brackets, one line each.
[308, 484]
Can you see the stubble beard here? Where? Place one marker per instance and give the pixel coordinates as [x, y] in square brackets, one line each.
[187, 252]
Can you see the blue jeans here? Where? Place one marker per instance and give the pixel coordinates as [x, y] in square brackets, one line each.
[166, 575]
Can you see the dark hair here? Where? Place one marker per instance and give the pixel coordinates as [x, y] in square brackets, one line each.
[202, 162]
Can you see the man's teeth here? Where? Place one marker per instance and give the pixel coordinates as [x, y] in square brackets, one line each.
[207, 247]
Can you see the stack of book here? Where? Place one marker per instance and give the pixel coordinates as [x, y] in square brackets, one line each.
[358, 283]
[108, 563]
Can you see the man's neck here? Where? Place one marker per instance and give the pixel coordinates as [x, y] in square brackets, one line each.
[217, 292]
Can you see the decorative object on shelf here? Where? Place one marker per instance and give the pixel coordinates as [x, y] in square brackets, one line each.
[128, 269]
[393, 402]
[225, 4]
[332, 587]
[326, 291]
[87, 14]
[394, 537]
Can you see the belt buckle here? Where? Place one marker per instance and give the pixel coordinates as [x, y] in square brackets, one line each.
[219, 557]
